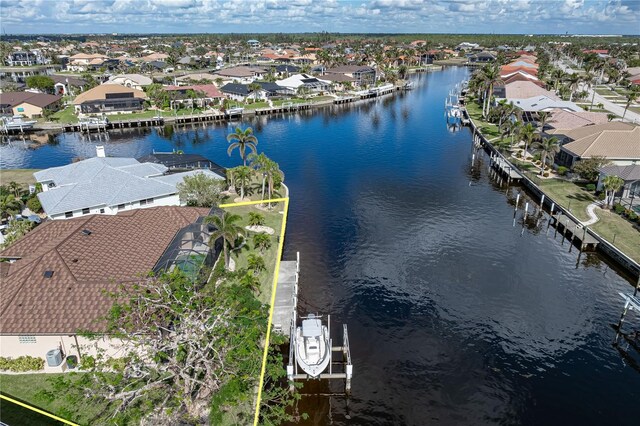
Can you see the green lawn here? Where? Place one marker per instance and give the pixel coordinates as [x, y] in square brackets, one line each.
[489, 130]
[65, 116]
[618, 231]
[573, 197]
[273, 219]
[27, 387]
[22, 176]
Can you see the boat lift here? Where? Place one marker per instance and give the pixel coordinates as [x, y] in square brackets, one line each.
[342, 362]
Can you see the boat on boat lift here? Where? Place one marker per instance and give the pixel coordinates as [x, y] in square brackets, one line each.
[313, 346]
[17, 122]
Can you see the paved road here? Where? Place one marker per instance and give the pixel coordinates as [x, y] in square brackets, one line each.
[617, 109]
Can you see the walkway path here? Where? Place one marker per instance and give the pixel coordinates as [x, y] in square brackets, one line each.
[590, 211]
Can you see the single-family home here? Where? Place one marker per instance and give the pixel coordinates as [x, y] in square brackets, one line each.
[363, 75]
[203, 94]
[241, 74]
[629, 174]
[25, 59]
[135, 81]
[544, 103]
[482, 57]
[29, 104]
[82, 61]
[108, 185]
[56, 280]
[561, 121]
[616, 141]
[110, 99]
[307, 82]
[522, 90]
[175, 161]
[64, 84]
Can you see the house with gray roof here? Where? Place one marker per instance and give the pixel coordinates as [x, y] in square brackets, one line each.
[108, 185]
[630, 174]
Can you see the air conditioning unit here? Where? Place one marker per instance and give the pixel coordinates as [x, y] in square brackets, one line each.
[54, 357]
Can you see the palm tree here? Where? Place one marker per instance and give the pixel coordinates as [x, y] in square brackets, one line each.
[490, 76]
[254, 88]
[227, 229]
[543, 117]
[9, 206]
[558, 75]
[250, 281]
[255, 263]
[242, 177]
[256, 219]
[528, 135]
[16, 188]
[631, 96]
[548, 148]
[261, 242]
[513, 129]
[573, 80]
[260, 162]
[242, 139]
[611, 184]
[273, 174]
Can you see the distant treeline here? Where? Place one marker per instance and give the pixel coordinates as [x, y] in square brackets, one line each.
[324, 38]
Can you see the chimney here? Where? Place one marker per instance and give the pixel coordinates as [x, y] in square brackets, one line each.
[100, 151]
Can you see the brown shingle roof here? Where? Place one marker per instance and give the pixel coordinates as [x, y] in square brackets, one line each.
[38, 99]
[562, 120]
[120, 249]
[100, 92]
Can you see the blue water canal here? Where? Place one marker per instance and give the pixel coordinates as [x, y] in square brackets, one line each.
[456, 316]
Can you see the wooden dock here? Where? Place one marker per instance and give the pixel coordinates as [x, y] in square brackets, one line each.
[576, 232]
[286, 302]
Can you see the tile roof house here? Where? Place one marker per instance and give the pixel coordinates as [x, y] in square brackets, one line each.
[206, 94]
[135, 81]
[109, 99]
[60, 274]
[631, 176]
[108, 185]
[522, 90]
[29, 104]
[362, 75]
[241, 74]
[544, 103]
[616, 141]
[310, 82]
[562, 121]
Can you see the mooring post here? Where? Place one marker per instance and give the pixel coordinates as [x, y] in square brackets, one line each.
[526, 209]
[635, 292]
[619, 328]
[542, 202]
[517, 200]
[553, 206]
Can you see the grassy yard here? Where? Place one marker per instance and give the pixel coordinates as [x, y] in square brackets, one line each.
[273, 219]
[29, 388]
[489, 130]
[618, 231]
[65, 116]
[571, 196]
[22, 176]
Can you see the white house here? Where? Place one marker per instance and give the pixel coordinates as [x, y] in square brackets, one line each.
[108, 185]
[135, 81]
[308, 82]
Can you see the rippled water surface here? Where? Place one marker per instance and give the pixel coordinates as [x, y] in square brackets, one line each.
[456, 316]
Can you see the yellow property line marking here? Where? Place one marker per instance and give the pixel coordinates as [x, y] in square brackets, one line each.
[249, 203]
[37, 410]
[273, 300]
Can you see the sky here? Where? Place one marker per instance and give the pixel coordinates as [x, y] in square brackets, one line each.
[346, 16]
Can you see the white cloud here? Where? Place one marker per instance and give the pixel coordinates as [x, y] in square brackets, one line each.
[183, 16]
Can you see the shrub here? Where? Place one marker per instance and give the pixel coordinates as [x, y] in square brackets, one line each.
[562, 170]
[34, 205]
[591, 187]
[546, 174]
[602, 196]
[21, 364]
[618, 209]
[633, 216]
[537, 157]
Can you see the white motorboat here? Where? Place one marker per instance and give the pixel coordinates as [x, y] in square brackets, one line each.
[235, 111]
[93, 123]
[313, 346]
[17, 122]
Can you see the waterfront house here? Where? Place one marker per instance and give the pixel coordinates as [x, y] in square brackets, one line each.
[242, 74]
[175, 161]
[26, 59]
[616, 141]
[108, 185]
[135, 81]
[29, 104]
[110, 99]
[561, 121]
[196, 78]
[204, 94]
[307, 82]
[55, 288]
[629, 174]
[482, 58]
[362, 75]
[522, 90]
[544, 103]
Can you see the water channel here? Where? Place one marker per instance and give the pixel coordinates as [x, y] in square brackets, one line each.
[456, 316]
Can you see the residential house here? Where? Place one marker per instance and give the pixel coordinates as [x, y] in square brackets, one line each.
[544, 103]
[58, 277]
[196, 78]
[241, 74]
[205, 94]
[629, 174]
[561, 121]
[254, 44]
[64, 84]
[482, 57]
[362, 75]
[616, 141]
[108, 185]
[307, 82]
[135, 81]
[110, 99]
[240, 92]
[26, 59]
[29, 104]
[181, 162]
[522, 90]
[81, 62]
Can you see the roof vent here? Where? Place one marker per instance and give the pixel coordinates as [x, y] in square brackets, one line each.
[48, 274]
[86, 232]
